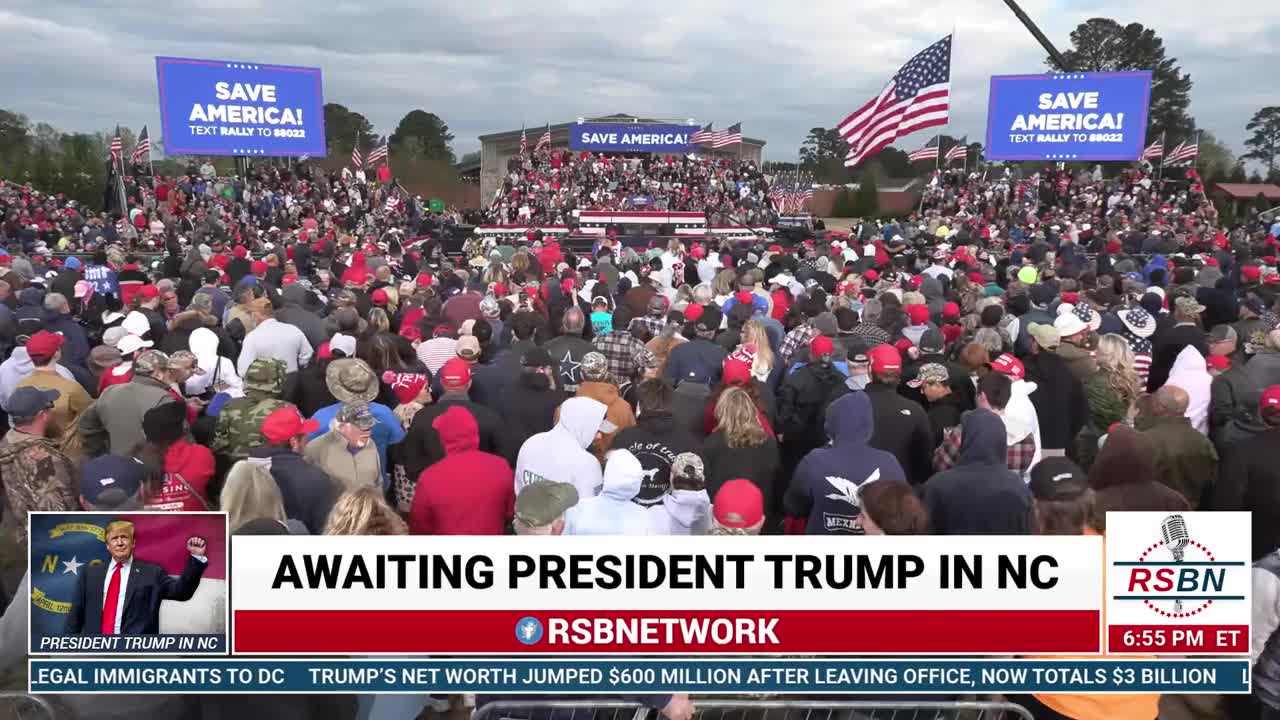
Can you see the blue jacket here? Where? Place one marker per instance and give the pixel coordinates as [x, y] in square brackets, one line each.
[825, 485]
[386, 430]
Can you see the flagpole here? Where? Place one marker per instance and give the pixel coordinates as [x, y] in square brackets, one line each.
[1195, 159]
[1164, 153]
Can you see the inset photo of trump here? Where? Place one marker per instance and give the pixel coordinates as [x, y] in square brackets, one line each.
[138, 583]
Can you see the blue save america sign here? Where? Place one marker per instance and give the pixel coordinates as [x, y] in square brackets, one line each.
[220, 107]
[1073, 116]
[613, 137]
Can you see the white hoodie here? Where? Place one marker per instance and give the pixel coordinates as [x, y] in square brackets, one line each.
[1020, 419]
[1189, 373]
[612, 512]
[204, 345]
[560, 454]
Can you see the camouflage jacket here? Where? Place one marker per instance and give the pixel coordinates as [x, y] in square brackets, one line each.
[36, 476]
[239, 426]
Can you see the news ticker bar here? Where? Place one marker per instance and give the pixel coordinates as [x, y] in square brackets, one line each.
[624, 676]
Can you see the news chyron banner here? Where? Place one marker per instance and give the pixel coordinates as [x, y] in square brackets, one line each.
[170, 603]
[1074, 116]
[1178, 583]
[224, 107]
[628, 137]
[666, 595]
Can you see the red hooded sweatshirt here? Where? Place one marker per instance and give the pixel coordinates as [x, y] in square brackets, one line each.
[358, 270]
[192, 463]
[469, 492]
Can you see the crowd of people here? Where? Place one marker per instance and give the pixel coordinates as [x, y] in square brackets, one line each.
[1020, 357]
[546, 187]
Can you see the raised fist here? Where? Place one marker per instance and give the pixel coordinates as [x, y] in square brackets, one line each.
[196, 546]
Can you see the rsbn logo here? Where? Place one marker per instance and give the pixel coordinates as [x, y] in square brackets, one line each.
[1176, 576]
[529, 630]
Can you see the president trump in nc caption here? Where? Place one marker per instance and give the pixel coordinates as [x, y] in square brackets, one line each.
[123, 596]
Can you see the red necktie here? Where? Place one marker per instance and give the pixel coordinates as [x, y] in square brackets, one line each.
[109, 606]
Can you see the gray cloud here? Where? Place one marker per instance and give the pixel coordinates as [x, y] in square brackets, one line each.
[780, 68]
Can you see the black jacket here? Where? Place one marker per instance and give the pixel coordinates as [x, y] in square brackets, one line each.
[1250, 480]
[980, 495]
[308, 390]
[1059, 399]
[945, 413]
[421, 447]
[760, 465]
[802, 402]
[528, 408]
[148, 585]
[296, 313]
[1165, 347]
[902, 428]
[656, 439]
[308, 493]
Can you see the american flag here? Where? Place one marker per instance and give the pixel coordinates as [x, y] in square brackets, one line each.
[703, 136]
[779, 194]
[357, 160]
[393, 199]
[117, 147]
[544, 140]
[524, 143]
[959, 151]
[918, 96]
[1184, 152]
[924, 153]
[1155, 150]
[801, 194]
[732, 136]
[381, 152]
[142, 150]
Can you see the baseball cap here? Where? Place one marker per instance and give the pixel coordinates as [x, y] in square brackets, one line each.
[919, 314]
[885, 358]
[1253, 304]
[1009, 365]
[540, 503]
[738, 372]
[951, 310]
[826, 323]
[136, 324]
[537, 358]
[693, 312]
[286, 423]
[258, 267]
[468, 348]
[710, 318]
[595, 367]
[379, 297]
[1046, 335]
[1057, 478]
[455, 373]
[345, 344]
[821, 348]
[1270, 397]
[1188, 306]
[149, 292]
[738, 504]
[930, 373]
[44, 344]
[687, 468]
[26, 402]
[1250, 273]
[1222, 333]
[932, 341]
[357, 414]
[150, 362]
[1217, 362]
[110, 480]
[1067, 324]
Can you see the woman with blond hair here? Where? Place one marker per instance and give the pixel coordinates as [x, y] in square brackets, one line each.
[250, 493]
[763, 366]
[741, 448]
[1110, 393]
[363, 511]
[722, 287]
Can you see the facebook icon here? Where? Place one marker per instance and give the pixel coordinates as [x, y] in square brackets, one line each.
[529, 630]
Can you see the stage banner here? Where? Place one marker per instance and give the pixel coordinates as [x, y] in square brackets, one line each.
[620, 137]
[667, 595]
[1073, 116]
[220, 107]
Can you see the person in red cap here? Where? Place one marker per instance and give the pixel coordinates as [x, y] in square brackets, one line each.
[1250, 477]
[467, 492]
[308, 493]
[738, 509]
[239, 266]
[803, 398]
[45, 350]
[422, 447]
[147, 302]
[901, 425]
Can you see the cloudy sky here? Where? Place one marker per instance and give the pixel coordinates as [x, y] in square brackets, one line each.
[778, 67]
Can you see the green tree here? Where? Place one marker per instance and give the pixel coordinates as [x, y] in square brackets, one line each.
[471, 157]
[1216, 160]
[341, 127]
[15, 138]
[894, 163]
[1104, 45]
[430, 133]
[866, 203]
[1264, 143]
[822, 156]
[1237, 174]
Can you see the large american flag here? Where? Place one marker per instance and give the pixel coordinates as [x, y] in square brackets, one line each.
[718, 138]
[142, 150]
[918, 96]
[1184, 152]
[381, 152]
[924, 153]
[1155, 150]
[543, 140]
[959, 151]
[117, 147]
[703, 136]
[778, 194]
[800, 195]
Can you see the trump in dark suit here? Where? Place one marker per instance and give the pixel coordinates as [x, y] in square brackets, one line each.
[123, 596]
